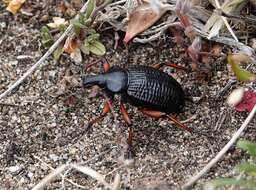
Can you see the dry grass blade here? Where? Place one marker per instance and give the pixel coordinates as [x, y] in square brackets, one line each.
[63, 176]
[223, 150]
[116, 184]
[50, 177]
[215, 22]
[90, 172]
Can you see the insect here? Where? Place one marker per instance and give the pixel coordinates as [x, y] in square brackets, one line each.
[153, 91]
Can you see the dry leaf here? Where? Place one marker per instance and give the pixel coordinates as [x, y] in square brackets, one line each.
[215, 22]
[194, 49]
[26, 11]
[70, 45]
[14, 6]
[6, 1]
[57, 22]
[66, 8]
[141, 19]
[76, 55]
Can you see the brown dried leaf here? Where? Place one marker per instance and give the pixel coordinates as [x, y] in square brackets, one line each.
[15, 5]
[66, 8]
[70, 45]
[141, 19]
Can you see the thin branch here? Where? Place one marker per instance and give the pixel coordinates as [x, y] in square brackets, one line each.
[223, 150]
[42, 59]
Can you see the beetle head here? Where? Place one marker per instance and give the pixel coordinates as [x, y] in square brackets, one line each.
[113, 81]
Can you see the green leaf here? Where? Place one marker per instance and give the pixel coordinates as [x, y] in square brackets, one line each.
[84, 49]
[57, 53]
[78, 24]
[81, 18]
[90, 7]
[247, 146]
[62, 28]
[247, 167]
[96, 47]
[248, 184]
[241, 74]
[93, 37]
[47, 39]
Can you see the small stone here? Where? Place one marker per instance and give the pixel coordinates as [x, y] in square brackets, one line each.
[30, 175]
[14, 169]
[53, 157]
[235, 97]
[2, 24]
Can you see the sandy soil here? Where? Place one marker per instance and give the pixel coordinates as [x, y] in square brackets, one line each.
[36, 123]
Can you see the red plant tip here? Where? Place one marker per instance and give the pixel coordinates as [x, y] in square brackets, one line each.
[127, 38]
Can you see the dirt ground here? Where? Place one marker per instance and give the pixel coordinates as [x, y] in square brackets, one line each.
[37, 124]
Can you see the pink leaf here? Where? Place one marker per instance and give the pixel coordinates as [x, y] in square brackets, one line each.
[248, 101]
[141, 19]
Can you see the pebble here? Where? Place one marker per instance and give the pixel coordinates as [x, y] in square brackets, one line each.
[14, 169]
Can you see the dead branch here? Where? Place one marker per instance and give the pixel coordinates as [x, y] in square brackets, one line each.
[236, 135]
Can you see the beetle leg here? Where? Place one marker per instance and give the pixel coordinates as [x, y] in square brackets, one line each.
[130, 131]
[158, 114]
[130, 136]
[176, 66]
[179, 124]
[151, 113]
[106, 109]
[106, 65]
[159, 65]
[125, 114]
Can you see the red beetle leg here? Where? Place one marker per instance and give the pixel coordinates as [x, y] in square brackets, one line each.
[151, 113]
[160, 65]
[125, 114]
[158, 114]
[179, 124]
[176, 66]
[106, 109]
[130, 137]
[106, 65]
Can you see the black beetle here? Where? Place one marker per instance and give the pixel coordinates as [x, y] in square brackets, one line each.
[153, 91]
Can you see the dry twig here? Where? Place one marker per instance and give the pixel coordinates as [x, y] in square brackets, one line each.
[53, 169]
[223, 150]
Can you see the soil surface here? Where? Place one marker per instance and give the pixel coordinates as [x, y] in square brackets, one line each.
[39, 125]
